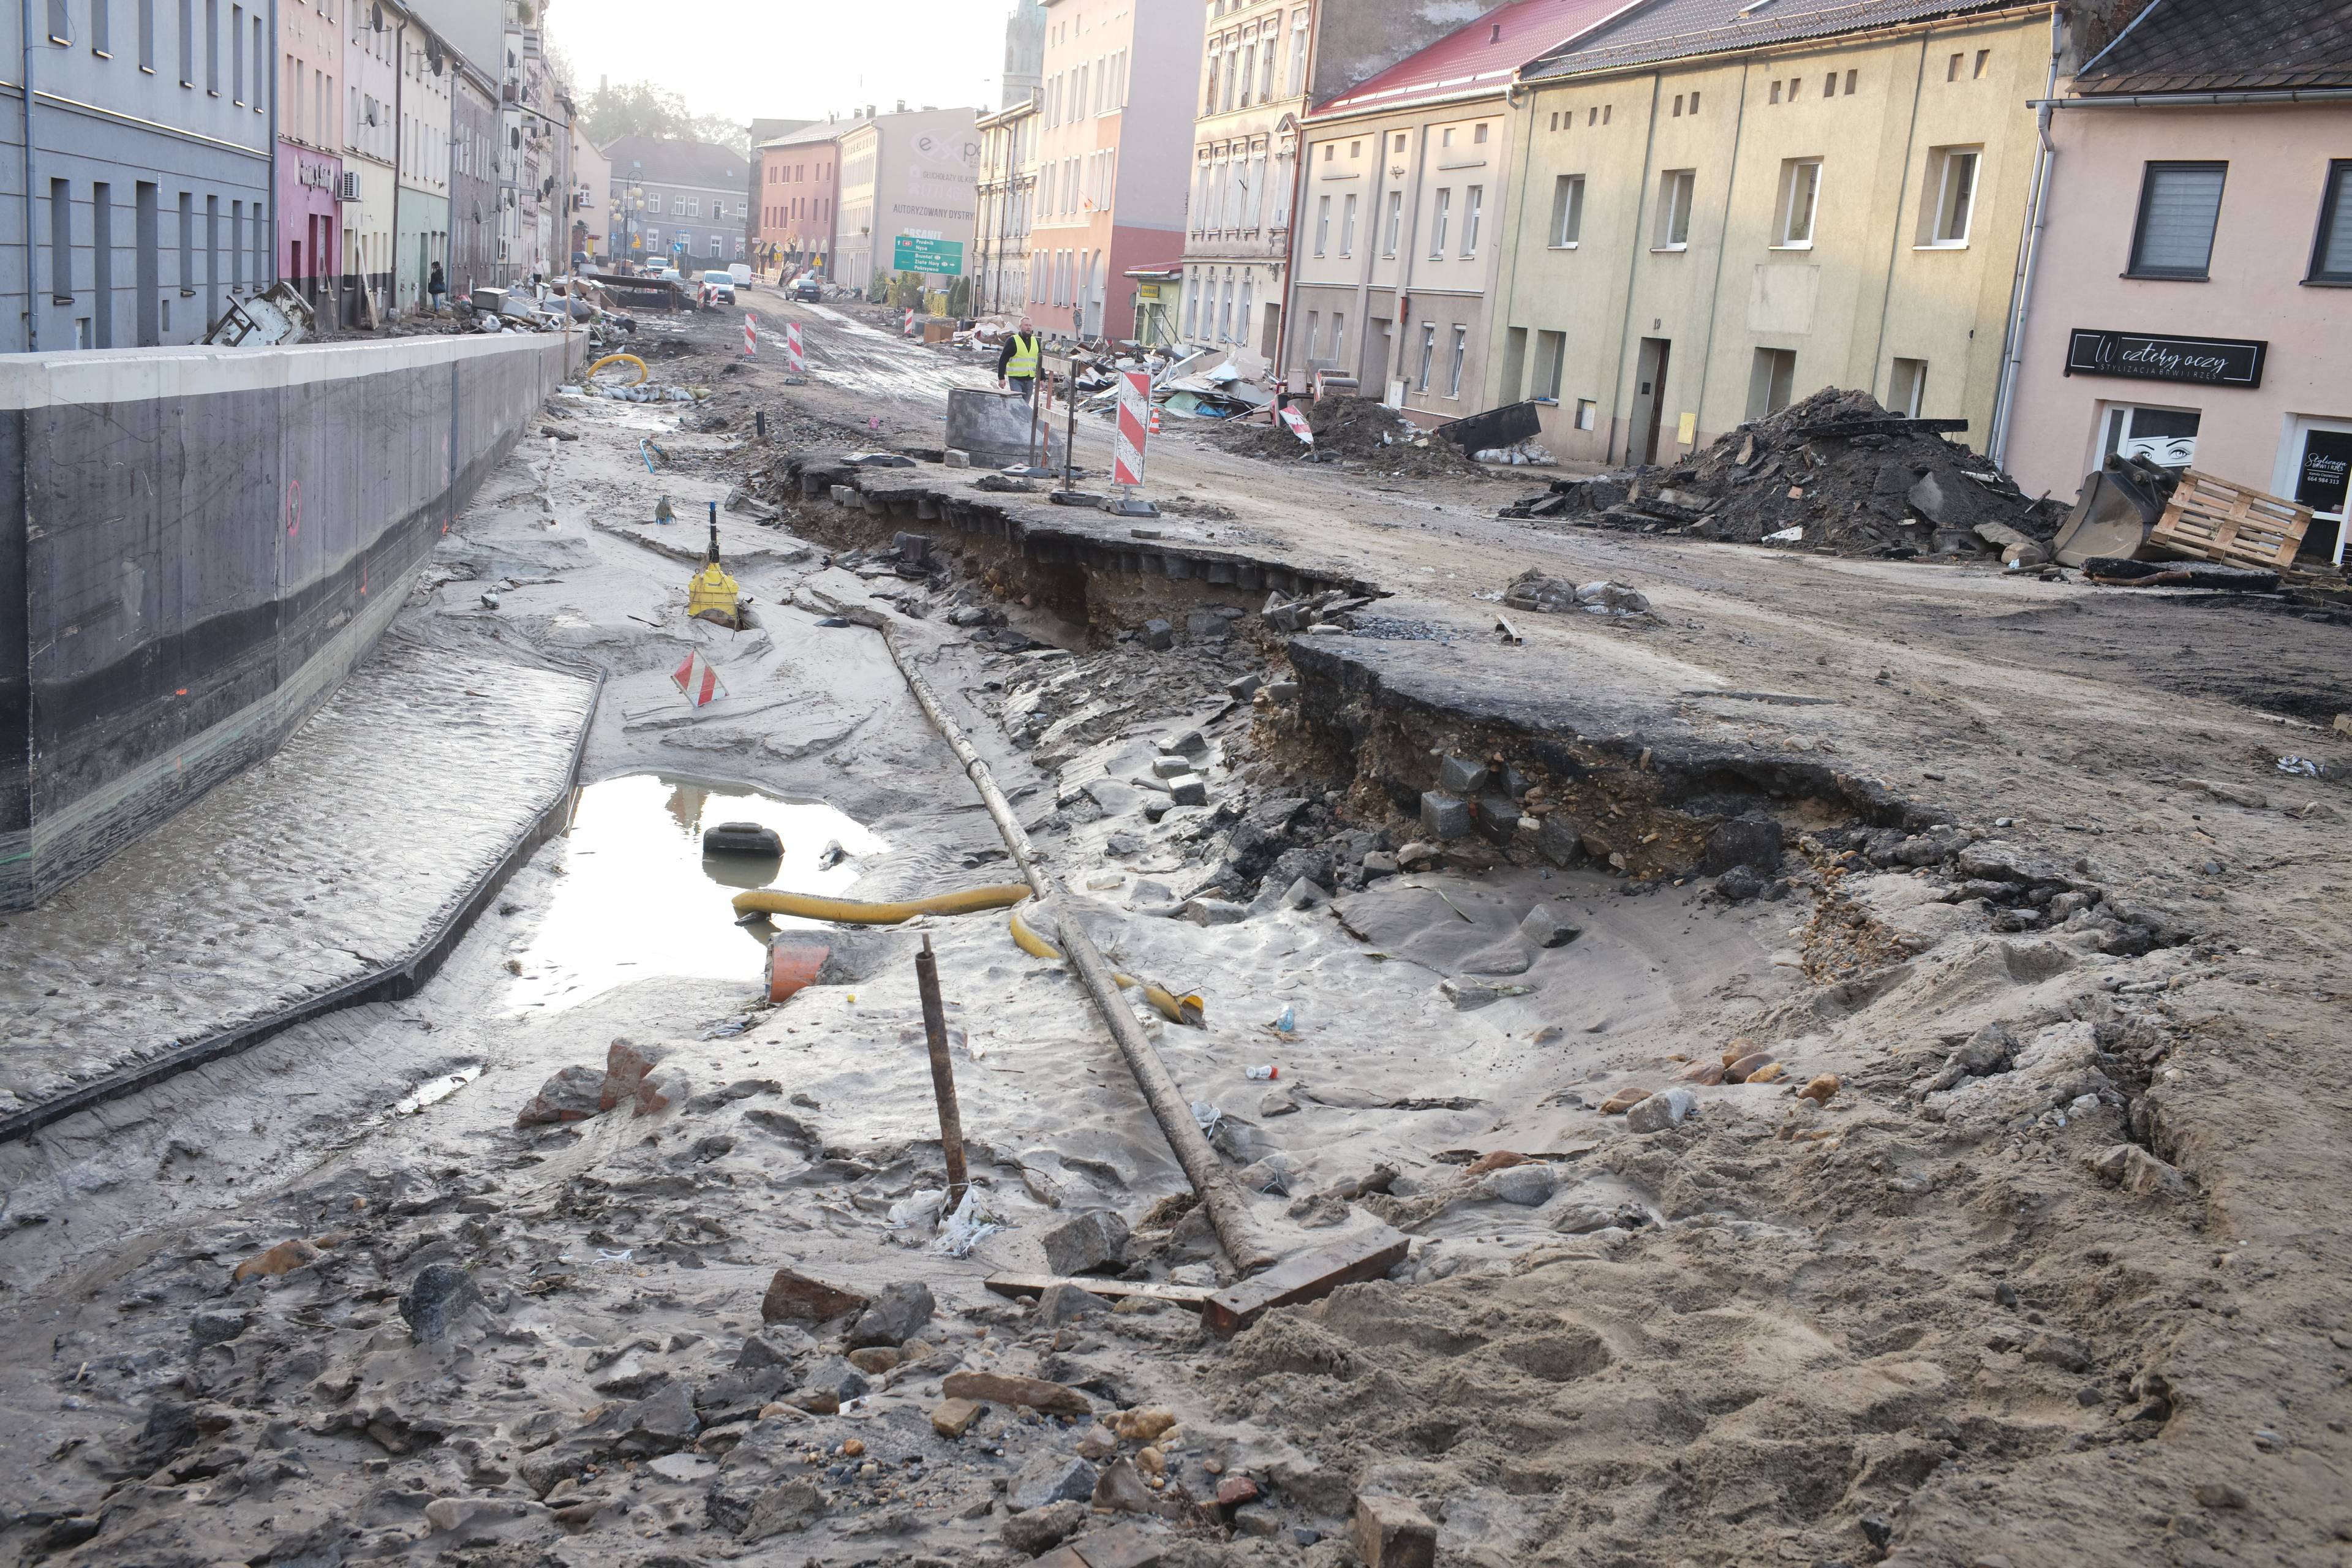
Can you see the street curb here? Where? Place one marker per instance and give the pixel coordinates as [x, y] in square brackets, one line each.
[393, 982]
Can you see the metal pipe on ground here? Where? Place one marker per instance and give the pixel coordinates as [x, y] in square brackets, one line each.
[1228, 1211]
[935, 1034]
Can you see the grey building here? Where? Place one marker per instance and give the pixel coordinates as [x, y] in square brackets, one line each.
[696, 207]
[474, 183]
[150, 168]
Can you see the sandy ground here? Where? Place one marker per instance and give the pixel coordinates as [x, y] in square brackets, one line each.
[2080, 1304]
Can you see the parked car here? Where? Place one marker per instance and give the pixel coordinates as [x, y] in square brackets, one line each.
[718, 289]
[808, 289]
[742, 273]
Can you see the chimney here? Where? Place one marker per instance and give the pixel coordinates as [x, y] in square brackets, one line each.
[902, 106]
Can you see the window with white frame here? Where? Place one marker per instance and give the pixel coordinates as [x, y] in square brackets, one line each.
[1551, 355]
[1461, 353]
[1322, 223]
[1441, 213]
[1951, 195]
[1566, 211]
[1428, 353]
[1348, 227]
[1297, 83]
[1674, 191]
[1474, 201]
[1393, 226]
[2165, 437]
[1800, 194]
[1906, 388]
[1314, 327]
[1339, 335]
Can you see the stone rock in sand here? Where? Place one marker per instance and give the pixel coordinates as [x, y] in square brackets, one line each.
[1143, 1423]
[572, 1095]
[434, 1298]
[626, 1066]
[1752, 841]
[770, 1347]
[1660, 1112]
[1121, 1489]
[1094, 1240]
[286, 1256]
[793, 1297]
[1393, 1532]
[1051, 1479]
[1530, 1185]
[2135, 1170]
[1063, 1304]
[952, 1419]
[786, 1510]
[893, 1315]
[1623, 1100]
[1039, 1530]
[1543, 928]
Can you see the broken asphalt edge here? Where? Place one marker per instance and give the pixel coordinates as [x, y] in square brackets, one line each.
[395, 981]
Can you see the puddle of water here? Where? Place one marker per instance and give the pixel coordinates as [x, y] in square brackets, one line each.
[638, 900]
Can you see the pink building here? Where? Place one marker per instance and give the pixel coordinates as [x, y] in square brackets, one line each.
[1114, 155]
[2187, 301]
[309, 168]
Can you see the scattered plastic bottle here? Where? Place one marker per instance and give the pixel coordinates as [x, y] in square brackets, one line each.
[1288, 1022]
[1262, 1074]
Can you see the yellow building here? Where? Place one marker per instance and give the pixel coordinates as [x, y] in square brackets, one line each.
[1720, 206]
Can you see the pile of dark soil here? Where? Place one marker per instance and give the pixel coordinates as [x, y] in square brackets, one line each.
[1838, 466]
[1360, 432]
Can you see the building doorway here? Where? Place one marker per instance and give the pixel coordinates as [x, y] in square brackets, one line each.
[1649, 398]
[2316, 468]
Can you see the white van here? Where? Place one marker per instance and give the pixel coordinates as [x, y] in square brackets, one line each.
[742, 274]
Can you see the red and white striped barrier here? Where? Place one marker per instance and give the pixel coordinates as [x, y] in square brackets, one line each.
[1135, 413]
[698, 681]
[1155, 419]
[795, 354]
[1297, 423]
[750, 334]
[910, 323]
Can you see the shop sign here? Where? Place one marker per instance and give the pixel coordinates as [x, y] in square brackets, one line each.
[2147, 356]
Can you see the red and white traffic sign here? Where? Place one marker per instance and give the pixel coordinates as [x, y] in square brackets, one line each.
[795, 355]
[697, 681]
[1135, 413]
[1297, 423]
[750, 334]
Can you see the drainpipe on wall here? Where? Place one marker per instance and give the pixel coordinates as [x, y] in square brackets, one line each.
[1632, 266]
[259, 285]
[2045, 159]
[400, 147]
[1895, 239]
[32, 288]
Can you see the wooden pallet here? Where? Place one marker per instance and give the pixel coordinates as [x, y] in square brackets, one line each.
[2213, 520]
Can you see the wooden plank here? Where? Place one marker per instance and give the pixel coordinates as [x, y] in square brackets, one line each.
[1015, 1286]
[2213, 520]
[1306, 1276]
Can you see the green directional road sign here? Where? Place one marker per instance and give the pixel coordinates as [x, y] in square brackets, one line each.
[943, 257]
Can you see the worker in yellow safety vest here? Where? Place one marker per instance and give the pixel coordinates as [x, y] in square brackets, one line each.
[1016, 362]
[710, 594]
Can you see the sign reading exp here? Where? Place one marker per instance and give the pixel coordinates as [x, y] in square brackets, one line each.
[2210, 361]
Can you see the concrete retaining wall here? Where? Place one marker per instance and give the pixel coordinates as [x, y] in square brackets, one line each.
[210, 539]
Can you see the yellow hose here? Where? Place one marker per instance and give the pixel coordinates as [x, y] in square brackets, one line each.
[1188, 1009]
[620, 359]
[853, 912]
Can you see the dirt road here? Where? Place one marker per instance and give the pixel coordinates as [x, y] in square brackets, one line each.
[2053, 1277]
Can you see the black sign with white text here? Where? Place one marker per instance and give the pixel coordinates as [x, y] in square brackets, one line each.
[2211, 362]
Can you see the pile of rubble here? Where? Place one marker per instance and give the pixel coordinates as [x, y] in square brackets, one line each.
[1835, 472]
[1359, 431]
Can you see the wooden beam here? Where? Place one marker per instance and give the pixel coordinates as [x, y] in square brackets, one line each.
[1309, 1276]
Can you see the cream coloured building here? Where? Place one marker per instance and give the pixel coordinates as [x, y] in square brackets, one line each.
[1718, 208]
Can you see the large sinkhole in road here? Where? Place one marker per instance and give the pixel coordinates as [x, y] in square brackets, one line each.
[638, 898]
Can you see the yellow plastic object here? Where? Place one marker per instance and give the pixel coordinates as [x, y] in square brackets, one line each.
[711, 589]
[1186, 1009]
[620, 359]
[856, 912]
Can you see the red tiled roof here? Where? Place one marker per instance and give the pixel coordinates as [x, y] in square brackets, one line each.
[1483, 55]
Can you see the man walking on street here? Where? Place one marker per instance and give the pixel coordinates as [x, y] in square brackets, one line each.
[1016, 362]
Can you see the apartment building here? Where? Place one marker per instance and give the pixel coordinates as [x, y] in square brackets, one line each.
[1114, 155]
[2186, 301]
[1264, 61]
[681, 203]
[1720, 208]
[910, 176]
[371, 36]
[474, 182]
[310, 146]
[428, 87]
[1007, 192]
[798, 201]
[1399, 230]
[592, 186]
[149, 168]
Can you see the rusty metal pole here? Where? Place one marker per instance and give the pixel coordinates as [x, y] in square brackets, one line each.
[935, 1032]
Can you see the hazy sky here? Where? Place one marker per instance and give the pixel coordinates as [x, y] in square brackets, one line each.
[789, 59]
